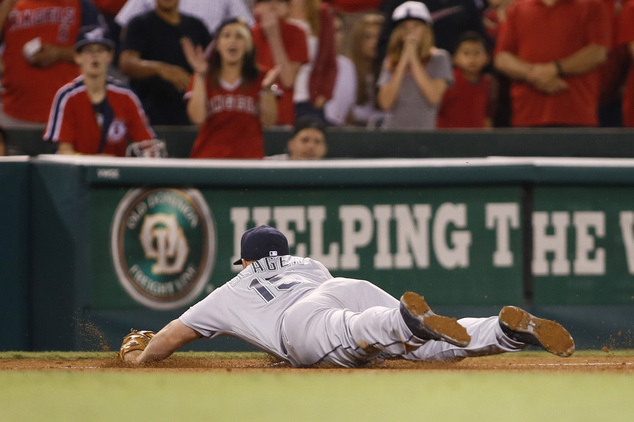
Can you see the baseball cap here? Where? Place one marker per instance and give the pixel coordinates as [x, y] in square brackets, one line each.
[262, 241]
[93, 35]
[412, 10]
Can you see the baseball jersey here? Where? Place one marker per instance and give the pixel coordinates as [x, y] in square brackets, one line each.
[28, 91]
[296, 45]
[465, 104]
[232, 128]
[565, 28]
[73, 119]
[251, 306]
[626, 36]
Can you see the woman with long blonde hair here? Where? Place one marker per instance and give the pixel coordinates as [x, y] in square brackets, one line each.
[415, 73]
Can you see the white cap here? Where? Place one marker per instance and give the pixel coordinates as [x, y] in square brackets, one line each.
[412, 10]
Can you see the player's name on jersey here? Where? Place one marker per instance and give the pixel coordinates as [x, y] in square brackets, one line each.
[419, 236]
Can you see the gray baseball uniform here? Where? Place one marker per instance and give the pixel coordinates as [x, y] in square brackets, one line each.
[294, 309]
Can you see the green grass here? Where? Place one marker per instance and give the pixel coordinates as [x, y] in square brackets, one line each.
[306, 395]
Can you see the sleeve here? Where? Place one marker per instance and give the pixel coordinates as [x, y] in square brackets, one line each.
[344, 94]
[131, 9]
[203, 37]
[626, 28]
[90, 15]
[599, 28]
[139, 125]
[324, 74]
[135, 36]
[296, 44]
[59, 127]
[444, 68]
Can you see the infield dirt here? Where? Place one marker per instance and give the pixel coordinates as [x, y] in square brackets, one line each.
[622, 362]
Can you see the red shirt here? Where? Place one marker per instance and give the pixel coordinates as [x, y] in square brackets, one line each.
[28, 91]
[72, 119]
[355, 5]
[537, 33]
[626, 36]
[294, 39]
[465, 103]
[232, 128]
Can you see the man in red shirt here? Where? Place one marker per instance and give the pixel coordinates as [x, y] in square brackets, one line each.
[94, 114]
[626, 36]
[552, 50]
[279, 43]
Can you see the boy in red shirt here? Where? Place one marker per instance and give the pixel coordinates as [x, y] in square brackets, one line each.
[95, 114]
[468, 103]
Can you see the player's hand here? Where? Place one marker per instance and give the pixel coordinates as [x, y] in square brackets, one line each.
[131, 357]
[195, 56]
[175, 75]
[47, 56]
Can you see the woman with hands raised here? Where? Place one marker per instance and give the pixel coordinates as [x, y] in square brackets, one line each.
[229, 97]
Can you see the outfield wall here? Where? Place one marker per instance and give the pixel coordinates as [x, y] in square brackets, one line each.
[361, 143]
[121, 243]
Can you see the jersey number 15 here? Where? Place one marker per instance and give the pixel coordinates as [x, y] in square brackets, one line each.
[268, 288]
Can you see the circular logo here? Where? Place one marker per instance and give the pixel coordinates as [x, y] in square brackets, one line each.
[163, 245]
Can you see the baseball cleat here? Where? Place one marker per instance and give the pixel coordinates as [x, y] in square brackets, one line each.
[521, 326]
[426, 325]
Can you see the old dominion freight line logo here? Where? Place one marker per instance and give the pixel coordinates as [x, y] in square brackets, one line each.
[163, 244]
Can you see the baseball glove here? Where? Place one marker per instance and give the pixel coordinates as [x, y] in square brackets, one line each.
[136, 340]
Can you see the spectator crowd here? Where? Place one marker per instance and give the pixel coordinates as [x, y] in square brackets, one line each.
[97, 75]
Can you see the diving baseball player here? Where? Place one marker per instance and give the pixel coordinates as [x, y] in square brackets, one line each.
[292, 308]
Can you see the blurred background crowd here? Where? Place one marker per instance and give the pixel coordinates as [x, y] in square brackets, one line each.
[97, 75]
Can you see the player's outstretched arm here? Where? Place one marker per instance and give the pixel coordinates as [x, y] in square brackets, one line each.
[171, 338]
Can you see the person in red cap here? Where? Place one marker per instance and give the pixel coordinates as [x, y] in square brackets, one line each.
[294, 309]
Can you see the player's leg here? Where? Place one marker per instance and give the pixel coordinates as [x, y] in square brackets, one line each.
[346, 322]
[512, 330]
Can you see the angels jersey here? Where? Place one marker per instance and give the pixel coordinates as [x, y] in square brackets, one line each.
[73, 119]
[232, 128]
